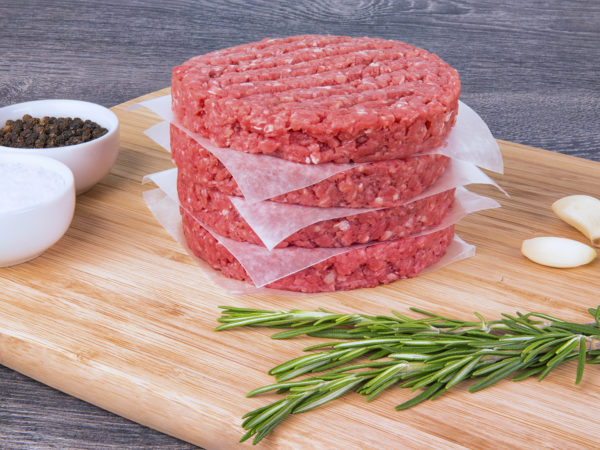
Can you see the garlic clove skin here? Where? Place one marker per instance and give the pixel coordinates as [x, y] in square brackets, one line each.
[557, 252]
[581, 212]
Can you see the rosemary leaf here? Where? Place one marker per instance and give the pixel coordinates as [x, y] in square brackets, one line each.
[498, 375]
[427, 393]
[333, 394]
[581, 358]
[527, 373]
[463, 373]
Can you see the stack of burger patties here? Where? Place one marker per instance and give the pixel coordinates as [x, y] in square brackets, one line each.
[319, 100]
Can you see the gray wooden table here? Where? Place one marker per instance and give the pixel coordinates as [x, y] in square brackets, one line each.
[530, 68]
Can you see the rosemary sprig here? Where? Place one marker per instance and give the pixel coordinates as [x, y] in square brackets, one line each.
[432, 353]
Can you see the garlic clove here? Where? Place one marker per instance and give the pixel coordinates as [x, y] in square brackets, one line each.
[581, 212]
[557, 252]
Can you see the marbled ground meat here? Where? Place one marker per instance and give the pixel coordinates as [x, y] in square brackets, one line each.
[216, 211]
[313, 99]
[362, 267]
[379, 184]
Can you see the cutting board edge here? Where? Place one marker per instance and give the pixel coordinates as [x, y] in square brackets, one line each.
[68, 383]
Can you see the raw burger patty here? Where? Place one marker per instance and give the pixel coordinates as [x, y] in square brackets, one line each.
[216, 211]
[314, 99]
[374, 185]
[362, 267]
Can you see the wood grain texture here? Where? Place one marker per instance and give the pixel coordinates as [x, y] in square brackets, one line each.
[529, 68]
[116, 314]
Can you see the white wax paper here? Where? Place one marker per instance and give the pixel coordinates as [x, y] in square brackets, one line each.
[458, 173]
[456, 251]
[261, 177]
[166, 181]
[258, 176]
[270, 220]
[160, 133]
[471, 140]
[265, 266]
[166, 212]
[158, 105]
[273, 222]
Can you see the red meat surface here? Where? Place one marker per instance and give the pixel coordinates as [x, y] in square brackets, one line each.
[361, 267]
[314, 99]
[216, 211]
[379, 184]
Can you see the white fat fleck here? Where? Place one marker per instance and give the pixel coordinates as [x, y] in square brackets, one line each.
[385, 236]
[343, 225]
[269, 128]
[395, 196]
[379, 201]
[361, 111]
[307, 160]
[329, 278]
[25, 185]
[315, 159]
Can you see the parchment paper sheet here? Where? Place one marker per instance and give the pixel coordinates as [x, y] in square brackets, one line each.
[273, 222]
[261, 177]
[264, 266]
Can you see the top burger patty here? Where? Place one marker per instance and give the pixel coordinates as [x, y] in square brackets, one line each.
[316, 99]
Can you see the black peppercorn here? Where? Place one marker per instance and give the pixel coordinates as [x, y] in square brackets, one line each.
[32, 132]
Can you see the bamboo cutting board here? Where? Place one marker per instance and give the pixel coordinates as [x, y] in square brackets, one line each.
[118, 315]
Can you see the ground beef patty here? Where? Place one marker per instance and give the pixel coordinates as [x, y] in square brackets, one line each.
[313, 99]
[216, 211]
[362, 267]
[379, 184]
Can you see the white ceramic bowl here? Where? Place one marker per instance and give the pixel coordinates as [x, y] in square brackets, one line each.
[37, 201]
[89, 161]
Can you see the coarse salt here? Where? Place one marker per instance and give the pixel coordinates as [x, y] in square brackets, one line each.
[26, 185]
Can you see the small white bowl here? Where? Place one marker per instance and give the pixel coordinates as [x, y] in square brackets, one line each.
[89, 161]
[36, 205]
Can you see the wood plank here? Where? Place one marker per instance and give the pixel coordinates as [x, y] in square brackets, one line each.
[118, 315]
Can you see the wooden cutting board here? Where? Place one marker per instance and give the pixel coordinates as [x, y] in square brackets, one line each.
[118, 315]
